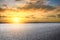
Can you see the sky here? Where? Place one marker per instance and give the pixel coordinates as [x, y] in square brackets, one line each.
[39, 8]
[29, 3]
[55, 2]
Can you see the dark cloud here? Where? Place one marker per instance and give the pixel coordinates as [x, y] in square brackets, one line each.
[31, 4]
[18, 0]
[1, 9]
[38, 4]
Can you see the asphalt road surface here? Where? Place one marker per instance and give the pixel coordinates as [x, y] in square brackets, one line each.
[30, 31]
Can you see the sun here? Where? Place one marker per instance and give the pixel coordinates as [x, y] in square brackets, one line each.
[16, 20]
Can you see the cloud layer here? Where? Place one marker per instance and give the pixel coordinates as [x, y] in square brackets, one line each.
[37, 4]
[27, 4]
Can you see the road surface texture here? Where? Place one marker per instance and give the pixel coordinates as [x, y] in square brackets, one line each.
[30, 31]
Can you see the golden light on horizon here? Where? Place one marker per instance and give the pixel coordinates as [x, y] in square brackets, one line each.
[16, 20]
[23, 16]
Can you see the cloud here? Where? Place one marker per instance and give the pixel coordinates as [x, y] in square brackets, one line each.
[37, 4]
[28, 4]
[18, 0]
[2, 10]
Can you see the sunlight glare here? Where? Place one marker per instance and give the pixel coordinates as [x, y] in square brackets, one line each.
[16, 20]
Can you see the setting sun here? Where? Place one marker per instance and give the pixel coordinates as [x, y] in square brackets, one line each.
[16, 20]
